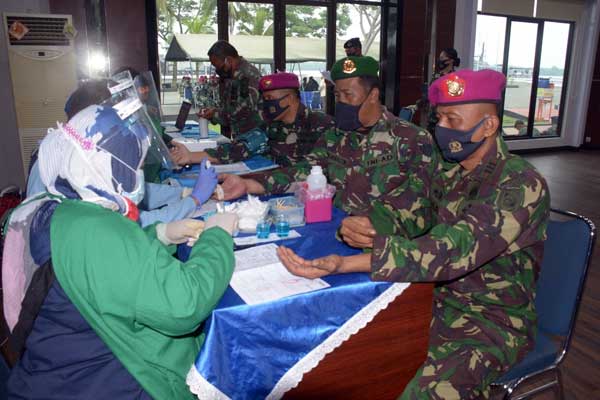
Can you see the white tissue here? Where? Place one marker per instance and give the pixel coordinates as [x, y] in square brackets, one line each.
[250, 212]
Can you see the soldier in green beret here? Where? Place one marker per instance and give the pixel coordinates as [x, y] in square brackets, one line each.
[484, 251]
[381, 166]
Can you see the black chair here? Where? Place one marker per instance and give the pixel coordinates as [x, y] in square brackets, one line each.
[567, 253]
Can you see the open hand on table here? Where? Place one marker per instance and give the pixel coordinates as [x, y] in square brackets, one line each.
[310, 269]
[358, 232]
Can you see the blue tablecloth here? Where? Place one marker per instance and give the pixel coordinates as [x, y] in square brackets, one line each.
[262, 351]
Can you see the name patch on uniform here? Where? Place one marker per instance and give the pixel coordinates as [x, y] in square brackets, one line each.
[379, 161]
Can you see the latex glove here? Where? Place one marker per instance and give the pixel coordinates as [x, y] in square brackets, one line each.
[177, 232]
[206, 182]
[226, 221]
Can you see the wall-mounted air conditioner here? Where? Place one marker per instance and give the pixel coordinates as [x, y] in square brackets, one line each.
[43, 71]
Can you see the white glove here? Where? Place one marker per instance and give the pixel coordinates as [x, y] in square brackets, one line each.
[177, 232]
[226, 221]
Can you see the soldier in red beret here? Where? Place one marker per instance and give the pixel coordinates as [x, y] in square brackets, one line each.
[292, 129]
[483, 250]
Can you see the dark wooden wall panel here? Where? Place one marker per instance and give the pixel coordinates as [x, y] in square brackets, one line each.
[415, 39]
[446, 15]
[126, 33]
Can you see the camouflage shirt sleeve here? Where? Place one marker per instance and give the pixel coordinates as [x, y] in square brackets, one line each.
[458, 246]
[280, 180]
[230, 152]
[408, 204]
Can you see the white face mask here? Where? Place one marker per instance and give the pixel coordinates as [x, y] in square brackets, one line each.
[137, 195]
[138, 192]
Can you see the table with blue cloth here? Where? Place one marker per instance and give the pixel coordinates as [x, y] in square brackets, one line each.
[338, 342]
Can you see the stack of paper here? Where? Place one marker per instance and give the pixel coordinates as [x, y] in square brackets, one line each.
[260, 277]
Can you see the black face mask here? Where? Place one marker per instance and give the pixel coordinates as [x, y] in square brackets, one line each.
[222, 72]
[442, 64]
[346, 116]
[272, 108]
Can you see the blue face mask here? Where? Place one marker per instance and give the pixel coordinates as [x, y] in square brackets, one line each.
[272, 108]
[457, 145]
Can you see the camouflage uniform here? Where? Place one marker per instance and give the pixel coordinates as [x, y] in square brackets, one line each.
[240, 101]
[384, 174]
[288, 143]
[485, 252]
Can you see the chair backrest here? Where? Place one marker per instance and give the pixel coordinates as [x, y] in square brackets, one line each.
[306, 98]
[567, 253]
[406, 113]
[316, 101]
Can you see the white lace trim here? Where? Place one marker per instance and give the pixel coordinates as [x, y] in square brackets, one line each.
[206, 391]
[202, 388]
[294, 375]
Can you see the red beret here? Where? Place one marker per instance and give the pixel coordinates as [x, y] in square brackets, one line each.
[280, 80]
[467, 86]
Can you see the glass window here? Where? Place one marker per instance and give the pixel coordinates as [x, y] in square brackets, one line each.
[182, 18]
[306, 51]
[251, 32]
[361, 21]
[489, 42]
[521, 60]
[552, 71]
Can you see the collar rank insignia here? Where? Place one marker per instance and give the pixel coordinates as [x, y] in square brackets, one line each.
[349, 66]
[455, 146]
[455, 86]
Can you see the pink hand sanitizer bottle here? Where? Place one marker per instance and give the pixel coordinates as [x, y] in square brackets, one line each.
[317, 199]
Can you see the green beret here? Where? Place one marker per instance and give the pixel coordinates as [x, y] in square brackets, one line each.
[354, 66]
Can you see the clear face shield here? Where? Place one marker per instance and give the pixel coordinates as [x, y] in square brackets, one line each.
[123, 87]
[146, 89]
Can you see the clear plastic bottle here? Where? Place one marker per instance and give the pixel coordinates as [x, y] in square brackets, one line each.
[317, 197]
[316, 180]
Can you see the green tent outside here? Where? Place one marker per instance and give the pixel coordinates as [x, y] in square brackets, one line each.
[256, 49]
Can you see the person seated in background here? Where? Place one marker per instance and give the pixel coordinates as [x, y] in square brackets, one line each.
[159, 203]
[292, 128]
[98, 307]
[522, 129]
[353, 47]
[238, 113]
[447, 63]
[484, 250]
[381, 166]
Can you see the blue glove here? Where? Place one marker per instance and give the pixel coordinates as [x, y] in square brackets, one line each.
[206, 183]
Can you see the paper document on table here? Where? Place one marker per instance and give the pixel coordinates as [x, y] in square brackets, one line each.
[273, 237]
[254, 164]
[234, 168]
[259, 276]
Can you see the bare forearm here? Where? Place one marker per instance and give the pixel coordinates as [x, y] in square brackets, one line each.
[357, 263]
[196, 157]
[254, 187]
